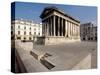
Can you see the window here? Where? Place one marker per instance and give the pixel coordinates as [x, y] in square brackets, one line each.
[30, 38]
[95, 38]
[24, 32]
[89, 38]
[18, 38]
[83, 38]
[18, 32]
[30, 33]
[38, 33]
[88, 28]
[11, 32]
[24, 38]
[24, 27]
[34, 33]
[18, 27]
[30, 28]
[11, 27]
[12, 37]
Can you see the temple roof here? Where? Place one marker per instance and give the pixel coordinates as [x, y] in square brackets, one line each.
[52, 8]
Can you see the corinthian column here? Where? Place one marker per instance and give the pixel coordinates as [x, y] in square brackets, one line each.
[51, 25]
[58, 26]
[62, 27]
[54, 24]
[47, 28]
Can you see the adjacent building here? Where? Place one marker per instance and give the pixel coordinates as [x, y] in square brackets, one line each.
[95, 32]
[59, 27]
[88, 31]
[25, 30]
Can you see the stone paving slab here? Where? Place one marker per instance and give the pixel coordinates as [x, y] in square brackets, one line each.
[84, 63]
[31, 64]
[66, 63]
[65, 56]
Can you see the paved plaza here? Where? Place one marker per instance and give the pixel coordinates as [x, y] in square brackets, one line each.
[66, 56]
[62, 56]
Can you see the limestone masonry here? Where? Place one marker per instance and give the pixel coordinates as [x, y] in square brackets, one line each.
[58, 27]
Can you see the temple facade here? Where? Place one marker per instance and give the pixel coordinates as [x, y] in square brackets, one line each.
[58, 27]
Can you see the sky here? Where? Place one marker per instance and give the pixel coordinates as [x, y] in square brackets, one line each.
[32, 11]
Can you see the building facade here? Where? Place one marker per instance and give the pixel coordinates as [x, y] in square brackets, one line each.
[58, 26]
[25, 30]
[88, 31]
[95, 32]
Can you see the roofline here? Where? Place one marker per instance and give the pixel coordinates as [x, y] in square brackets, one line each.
[29, 21]
[56, 9]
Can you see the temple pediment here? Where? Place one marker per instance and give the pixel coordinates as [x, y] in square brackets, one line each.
[47, 10]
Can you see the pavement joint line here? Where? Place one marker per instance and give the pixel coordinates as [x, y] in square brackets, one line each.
[42, 60]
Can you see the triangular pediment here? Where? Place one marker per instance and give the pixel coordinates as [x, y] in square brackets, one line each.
[45, 11]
